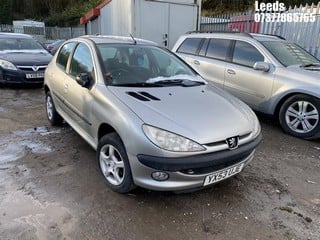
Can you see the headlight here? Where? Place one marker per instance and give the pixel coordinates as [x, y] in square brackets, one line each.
[7, 65]
[170, 141]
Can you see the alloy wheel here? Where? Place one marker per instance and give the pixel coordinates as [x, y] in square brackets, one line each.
[49, 107]
[302, 116]
[112, 165]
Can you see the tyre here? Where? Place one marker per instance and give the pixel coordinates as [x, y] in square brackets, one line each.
[114, 164]
[52, 114]
[299, 116]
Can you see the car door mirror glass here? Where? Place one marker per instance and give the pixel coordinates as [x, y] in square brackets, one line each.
[261, 66]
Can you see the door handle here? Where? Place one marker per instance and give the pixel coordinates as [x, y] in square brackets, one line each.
[165, 43]
[66, 88]
[196, 62]
[230, 71]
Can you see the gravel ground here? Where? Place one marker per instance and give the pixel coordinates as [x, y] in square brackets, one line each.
[51, 188]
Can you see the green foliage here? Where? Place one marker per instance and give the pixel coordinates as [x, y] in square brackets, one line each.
[5, 11]
[221, 6]
[52, 12]
[71, 15]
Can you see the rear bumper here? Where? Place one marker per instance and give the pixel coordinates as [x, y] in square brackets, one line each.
[201, 163]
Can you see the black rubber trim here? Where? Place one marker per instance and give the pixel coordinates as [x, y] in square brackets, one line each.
[138, 96]
[148, 95]
[221, 158]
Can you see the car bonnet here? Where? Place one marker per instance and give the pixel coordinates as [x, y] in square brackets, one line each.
[311, 72]
[26, 57]
[201, 113]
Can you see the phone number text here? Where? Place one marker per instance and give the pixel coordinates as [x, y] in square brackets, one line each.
[284, 17]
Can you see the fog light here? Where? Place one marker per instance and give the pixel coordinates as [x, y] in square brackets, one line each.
[160, 176]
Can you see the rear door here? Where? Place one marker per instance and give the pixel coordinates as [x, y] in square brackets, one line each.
[207, 56]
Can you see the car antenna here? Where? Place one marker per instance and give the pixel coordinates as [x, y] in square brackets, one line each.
[134, 41]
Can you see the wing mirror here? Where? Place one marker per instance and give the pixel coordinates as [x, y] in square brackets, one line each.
[84, 80]
[261, 66]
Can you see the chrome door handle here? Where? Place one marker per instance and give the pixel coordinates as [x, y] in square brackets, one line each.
[196, 62]
[230, 71]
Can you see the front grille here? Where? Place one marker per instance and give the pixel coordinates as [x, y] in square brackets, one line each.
[223, 142]
[31, 68]
[216, 167]
[34, 80]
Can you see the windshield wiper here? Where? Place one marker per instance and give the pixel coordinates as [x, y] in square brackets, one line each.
[138, 84]
[310, 65]
[162, 83]
[180, 82]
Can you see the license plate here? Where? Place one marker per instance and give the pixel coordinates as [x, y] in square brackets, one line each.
[222, 174]
[35, 75]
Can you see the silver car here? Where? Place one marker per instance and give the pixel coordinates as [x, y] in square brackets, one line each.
[270, 74]
[154, 122]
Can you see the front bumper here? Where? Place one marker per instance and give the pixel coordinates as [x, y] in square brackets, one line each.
[19, 77]
[189, 172]
[210, 161]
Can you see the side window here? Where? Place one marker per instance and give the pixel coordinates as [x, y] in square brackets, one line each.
[246, 54]
[218, 48]
[81, 61]
[63, 55]
[190, 45]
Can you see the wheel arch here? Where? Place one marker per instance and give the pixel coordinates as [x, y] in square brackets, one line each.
[282, 100]
[285, 98]
[105, 129]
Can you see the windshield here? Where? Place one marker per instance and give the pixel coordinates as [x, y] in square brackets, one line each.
[13, 44]
[143, 65]
[289, 53]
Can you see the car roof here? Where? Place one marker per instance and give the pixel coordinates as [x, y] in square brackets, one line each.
[266, 37]
[241, 35]
[14, 35]
[98, 39]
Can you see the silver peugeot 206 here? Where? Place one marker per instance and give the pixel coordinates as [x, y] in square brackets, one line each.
[154, 122]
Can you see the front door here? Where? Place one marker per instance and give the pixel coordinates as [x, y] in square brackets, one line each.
[251, 86]
[79, 99]
[60, 89]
